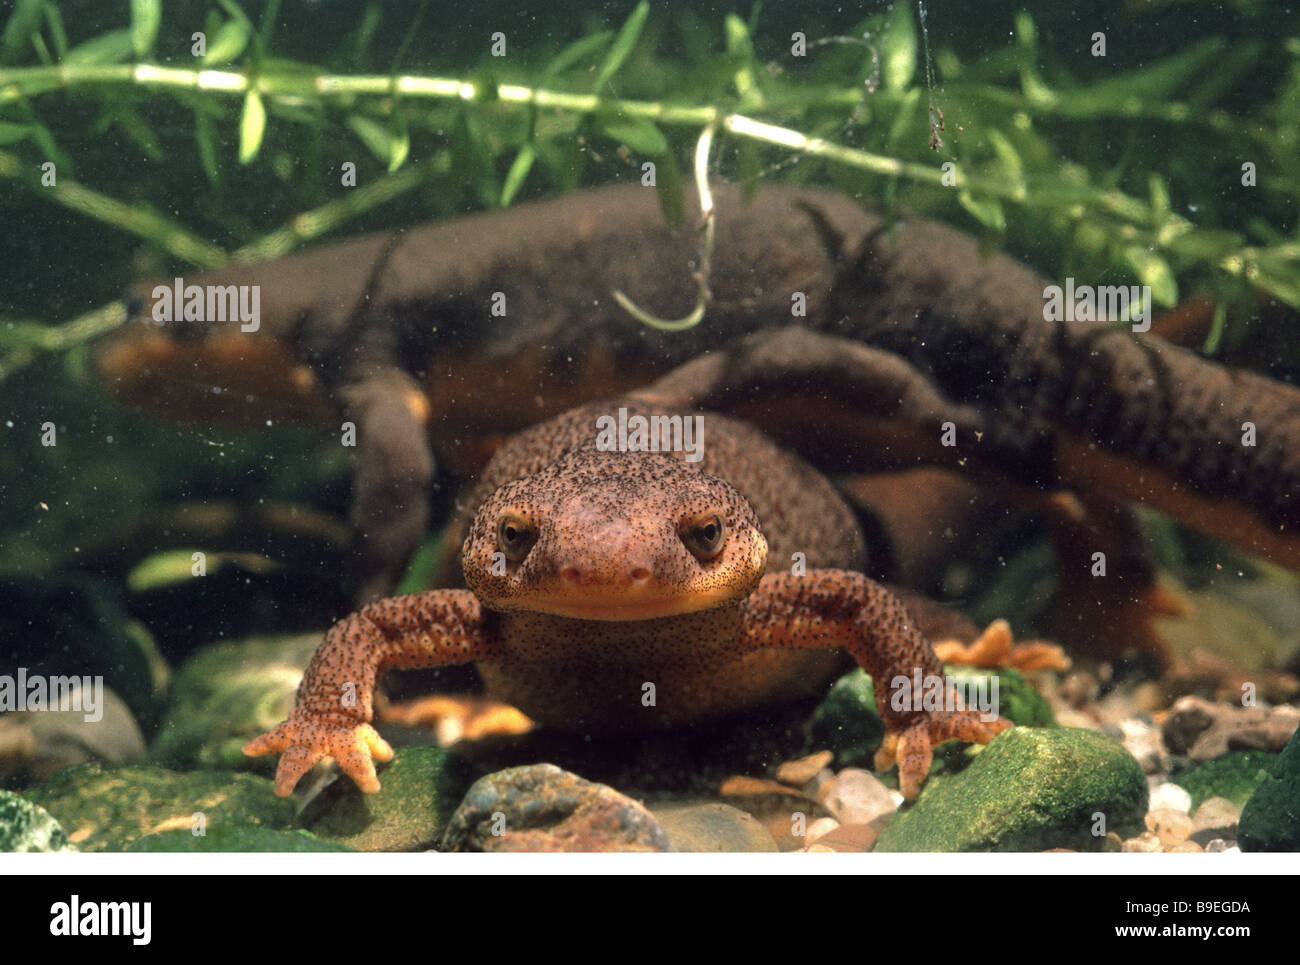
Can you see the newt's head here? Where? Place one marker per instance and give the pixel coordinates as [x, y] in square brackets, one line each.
[614, 536]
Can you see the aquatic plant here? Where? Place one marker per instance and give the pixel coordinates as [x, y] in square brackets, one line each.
[236, 136]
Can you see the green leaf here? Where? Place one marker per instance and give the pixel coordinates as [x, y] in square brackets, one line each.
[987, 211]
[1217, 322]
[518, 172]
[1153, 270]
[639, 134]
[623, 44]
[252, 125]
[146, 15]
[399, 140]
[20, 28]
[578, 50]
[377, 138]
[740, 47]
[58, 35]
[229, 42]
[205, 134]
[108, 48]
[13, 133]
[898, 48]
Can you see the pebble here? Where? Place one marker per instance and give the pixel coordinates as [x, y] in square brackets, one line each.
[1184, 847]
[1215, 819]
[1170, 826]
[712, 827]
[852, 838]
[857, 797]
[1144, 843]
[1112, 843]
[1170, 797]
[1142, 739]
[1216, 846]
[821, 826]
[800, 772]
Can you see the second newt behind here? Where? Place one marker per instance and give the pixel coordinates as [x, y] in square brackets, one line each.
[596, 578]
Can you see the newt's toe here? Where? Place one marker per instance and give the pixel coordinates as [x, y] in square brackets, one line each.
[913, 746]
[305, 741]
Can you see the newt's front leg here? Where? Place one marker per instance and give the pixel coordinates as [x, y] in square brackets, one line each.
[331, 717]
[841, 608]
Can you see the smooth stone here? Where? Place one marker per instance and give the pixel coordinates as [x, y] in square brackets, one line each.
[1170, 826]
[857, 797]
[800, 772]
[37, 744]
[1145, 843]
[540, 807]
[712, 827]
[1171, 797]
[1217, 817]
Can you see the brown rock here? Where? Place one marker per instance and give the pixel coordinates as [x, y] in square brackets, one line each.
[542, 808]
[853, 838]
[763, 798]
[1215, 818]
[821, 826]
[1204, 730]
[710, 826]
[1170, 826]
[857, 797]
[800, 772]
[1112, 843]
[1184, 847]
[1145, 843]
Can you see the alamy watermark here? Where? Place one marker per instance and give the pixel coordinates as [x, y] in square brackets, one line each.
[1101, 303]
[933, 692]
[208, 303]
[23, 691]
[656, 433]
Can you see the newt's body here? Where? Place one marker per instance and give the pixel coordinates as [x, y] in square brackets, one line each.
[905, 328]
[630, 591]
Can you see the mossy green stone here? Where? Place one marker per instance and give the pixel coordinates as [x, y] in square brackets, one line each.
[234, 838]
[25, 826]
[1233, 775]
[227, 694]
[107, 808]
[419, 791]
[1030, 789]
[846, 721]
[1270, 821]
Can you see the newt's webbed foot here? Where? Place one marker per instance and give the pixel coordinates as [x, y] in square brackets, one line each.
[305, 740]
[994, 648]
[912, 746]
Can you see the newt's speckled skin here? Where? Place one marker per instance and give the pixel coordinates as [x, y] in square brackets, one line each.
[593, 574]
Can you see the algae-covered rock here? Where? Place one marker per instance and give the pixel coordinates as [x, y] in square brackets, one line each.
[1233, 775]
[1270, 821]
[227, 694]
[25, 826]
[234, 838]
[107, 808]
[419, 791]
[846, 721]
[1030, 789]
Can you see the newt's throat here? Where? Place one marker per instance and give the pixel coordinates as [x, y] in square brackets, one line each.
[619, 607]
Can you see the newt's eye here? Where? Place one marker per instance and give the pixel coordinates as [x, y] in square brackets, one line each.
[515, 537]
[703, 536]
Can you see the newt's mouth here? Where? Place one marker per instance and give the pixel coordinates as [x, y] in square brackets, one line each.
[613, 609]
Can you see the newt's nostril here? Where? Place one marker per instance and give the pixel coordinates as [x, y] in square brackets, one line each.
[570, 574]
[640, 575]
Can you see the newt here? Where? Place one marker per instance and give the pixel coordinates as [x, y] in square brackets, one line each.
[596, 576]
[395, 333]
